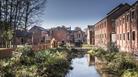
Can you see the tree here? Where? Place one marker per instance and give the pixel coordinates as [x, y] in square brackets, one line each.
[17, 14]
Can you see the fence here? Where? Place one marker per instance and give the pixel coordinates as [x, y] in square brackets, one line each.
[6, 52]
[41, 47]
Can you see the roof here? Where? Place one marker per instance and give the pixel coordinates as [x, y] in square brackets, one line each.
[114, 10]
[40, 28]
[117, 8]
[135, 3]
[91, 26]
[101, 20]
[20, 33]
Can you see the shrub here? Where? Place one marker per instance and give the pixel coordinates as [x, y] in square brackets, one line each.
[23, 49]
[100, 53]
[120, 63]
[26, 63]
[111, 47]
[27, 56]
[92, 52]
[130, 73]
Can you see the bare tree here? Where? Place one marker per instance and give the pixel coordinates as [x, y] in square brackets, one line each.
[15, 14]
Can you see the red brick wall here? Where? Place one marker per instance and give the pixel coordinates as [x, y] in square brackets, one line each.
[36, 38]
[106, 27]
[128, 23]
[60, 35]
[101, 32]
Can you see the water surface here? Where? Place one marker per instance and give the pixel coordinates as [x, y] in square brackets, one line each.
[82, 68]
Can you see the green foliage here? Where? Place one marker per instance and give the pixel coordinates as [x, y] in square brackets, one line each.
[45, 63]
[92, 52]
[121, 62]
[112, 47]
[130, 73]
[99, 53]
[117, 62]
[23, 49]
[7, 33]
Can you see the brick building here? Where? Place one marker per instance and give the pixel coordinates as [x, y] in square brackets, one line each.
[23, 37]
[60, 33]
[79, 35]
[91, 35]
[39, 35]
[105, 29]
[101, 32]
[127, 29]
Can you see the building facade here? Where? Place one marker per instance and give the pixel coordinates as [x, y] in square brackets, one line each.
[127, 30]
[119, 26]
[101, 33]
[79, 35]
[105, 29]
[91, 35]
[39, 35]
[23, 37]
[60, 33]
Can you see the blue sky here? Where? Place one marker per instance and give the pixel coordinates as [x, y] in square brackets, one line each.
[77, 12]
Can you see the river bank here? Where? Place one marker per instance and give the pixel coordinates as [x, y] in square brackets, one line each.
[44, 63]
[111, 63]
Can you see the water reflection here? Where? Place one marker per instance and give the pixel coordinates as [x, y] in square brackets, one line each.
[83, 67]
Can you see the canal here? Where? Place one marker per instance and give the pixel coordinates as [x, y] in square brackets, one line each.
[83, 67]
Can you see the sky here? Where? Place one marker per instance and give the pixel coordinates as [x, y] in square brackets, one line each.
[77, 13]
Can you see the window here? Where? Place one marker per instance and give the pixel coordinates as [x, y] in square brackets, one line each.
[120, 22]
[133, 13]
[128, 35]
[22, 41]
[123, 20]
[116, 36]
[124, 36]
[43, 39]
[133, 35]
[127, 17]
[120, 36]
[78, 35]
[105, 24]
[116, 23]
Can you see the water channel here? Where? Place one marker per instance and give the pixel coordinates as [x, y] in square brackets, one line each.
[83, 67]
